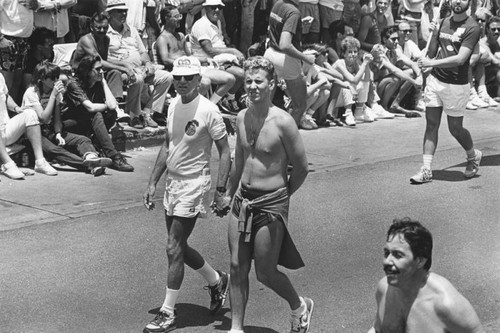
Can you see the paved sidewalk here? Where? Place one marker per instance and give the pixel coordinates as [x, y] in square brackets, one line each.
[42, 199]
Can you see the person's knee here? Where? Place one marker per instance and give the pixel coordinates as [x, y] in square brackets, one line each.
[455, 129]
[30, 117]
[175, 250]
[264, 274]
[205, 83]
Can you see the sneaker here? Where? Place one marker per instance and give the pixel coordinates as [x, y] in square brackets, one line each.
[159, 118]
[121, 116]
[163, 322]
[44, 167]
[487, 99]
[305, 124]
[120, 163]
[349, 119]
[137, 123]
[301, 324]
[423, 176]
[473, 164]
[12, 171]
[218, 293]
[91, 161]
[98, 171]
[368, 115]
[148, 121]
[479, 102]
[471, 106]
[311, 120]
[380, 112]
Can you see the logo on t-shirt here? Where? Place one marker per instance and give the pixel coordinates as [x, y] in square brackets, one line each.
[190, 128]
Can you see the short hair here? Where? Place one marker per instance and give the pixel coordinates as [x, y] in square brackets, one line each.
[259, 62]
[348, 42]
[166, 11]
[40, 35]
[388, 31]
[320, 48]
[493, 19]
[84, 68]
[337, 27]
[99, 17]
[418, 237]
[44, 70]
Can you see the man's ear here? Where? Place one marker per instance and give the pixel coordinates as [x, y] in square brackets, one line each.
[339, 35]
[421, 261]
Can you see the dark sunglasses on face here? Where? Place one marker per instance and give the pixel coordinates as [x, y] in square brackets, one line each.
[186, 77]
[480, 20]
[394, 39]
[406, 31]
[495, 29]
[215, 7]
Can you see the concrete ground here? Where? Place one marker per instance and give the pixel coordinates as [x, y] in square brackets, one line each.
[81, 253]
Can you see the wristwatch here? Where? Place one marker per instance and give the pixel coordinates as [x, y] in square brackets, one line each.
[221, 189]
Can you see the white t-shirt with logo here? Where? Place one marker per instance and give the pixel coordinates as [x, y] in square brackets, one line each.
[192, 128]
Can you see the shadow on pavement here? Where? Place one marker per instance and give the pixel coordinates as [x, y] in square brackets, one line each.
[450, 175]
[487, 160]
[255, 329]
[192, 315]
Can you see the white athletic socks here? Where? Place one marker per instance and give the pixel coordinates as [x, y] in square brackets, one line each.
[230, 96]
[301, 309]
[215, 98]
[428, 161]
[235, 331]
[170, 300]
[209, 274]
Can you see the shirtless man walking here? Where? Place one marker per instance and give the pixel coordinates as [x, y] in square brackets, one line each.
[267, 141]
[410, 299]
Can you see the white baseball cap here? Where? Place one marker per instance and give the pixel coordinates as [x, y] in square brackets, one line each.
[186, 66]
[213, 3]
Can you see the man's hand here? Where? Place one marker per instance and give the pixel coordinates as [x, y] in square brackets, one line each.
[58, 88]
[147, 197]
[367, 58]
[60, 140]
[221, 204]
[424, 62]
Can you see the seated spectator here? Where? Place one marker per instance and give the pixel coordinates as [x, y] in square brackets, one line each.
[394, 84]
[92, 109]
[79, 17]
[170, 45]
[96, 43]
[12, 129]
[44, 96]
[479, 97]
[408, 47]
[410, 11]
[127, 49]
[208, 42]
[318, 90]
[329, 11]
[369, 33]
[338, 30]
[41, 48]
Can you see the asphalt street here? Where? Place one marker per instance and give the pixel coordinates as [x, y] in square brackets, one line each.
[82, 254]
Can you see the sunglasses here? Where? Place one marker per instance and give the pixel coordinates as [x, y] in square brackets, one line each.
[394, 39]
[186, 77]
[215, 7]
[176, 17]
[480, 20]
[406, 31]
[495, 29]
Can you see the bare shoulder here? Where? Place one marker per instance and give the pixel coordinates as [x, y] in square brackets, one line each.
[282, 118]
[382, 287]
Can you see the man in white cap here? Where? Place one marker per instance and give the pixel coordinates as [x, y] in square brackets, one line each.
[127, 50]
[208, 42]
[193, 124]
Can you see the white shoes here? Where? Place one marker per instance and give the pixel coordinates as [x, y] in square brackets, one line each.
[349, 118]
[42, 166]
[487, 99]
[478, 102]
[380, 113]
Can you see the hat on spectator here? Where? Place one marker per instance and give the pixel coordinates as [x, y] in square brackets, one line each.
[186, 66]
[213, 3]
[116, 4]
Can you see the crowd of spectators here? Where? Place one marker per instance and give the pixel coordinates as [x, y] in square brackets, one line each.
[73, 69]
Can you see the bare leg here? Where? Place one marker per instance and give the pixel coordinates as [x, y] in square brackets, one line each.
[241, 262]
[178, 252]
[34, 135]
[396, 108]
[462, 135]
[224, 80]
[297, 90]
[266, 253]
[433, 120]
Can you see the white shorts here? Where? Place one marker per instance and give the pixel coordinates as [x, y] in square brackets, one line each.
[286, 67]
[452, 97]
[16, 126]
[186, 197]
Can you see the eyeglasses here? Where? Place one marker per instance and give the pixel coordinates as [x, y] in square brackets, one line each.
[186, 77]
[495, 29]
[215, 7]
[406, 31]
[480, 20]
[394, 39]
